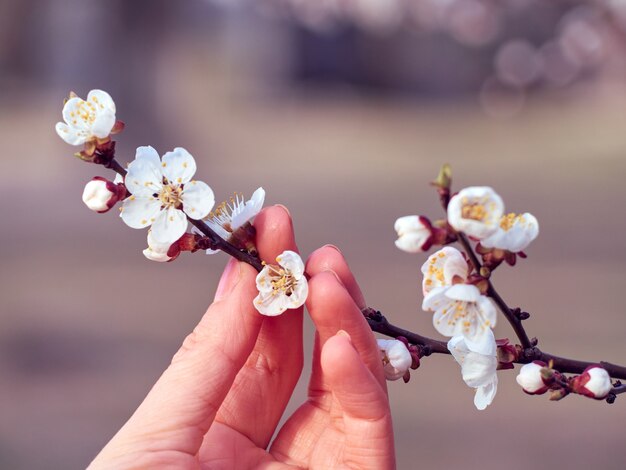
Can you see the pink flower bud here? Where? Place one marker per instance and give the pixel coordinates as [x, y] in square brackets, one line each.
[594, 382]
[101, 194]
[531, 378]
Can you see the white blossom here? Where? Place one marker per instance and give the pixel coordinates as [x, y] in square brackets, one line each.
[281, 287]
[414, 233]
[442, 268]
[530, 378]
[396, 358]
[227, 217]
[163, 193]
[462, 310]
[476, 211]
[477, 368]
[88, 119]
[514, 233]
[157, 251]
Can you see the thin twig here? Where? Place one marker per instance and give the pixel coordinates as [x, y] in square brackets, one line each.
[515, 322]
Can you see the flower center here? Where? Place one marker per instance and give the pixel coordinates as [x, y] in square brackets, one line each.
[508, 220]
[223, 213]
[474, 211]
[170, 196]
[85, 111]
[282, 281]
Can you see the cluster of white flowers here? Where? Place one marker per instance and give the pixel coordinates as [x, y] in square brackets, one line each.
[462, 312]
[460, 309]
[160, 194]
[478, 211]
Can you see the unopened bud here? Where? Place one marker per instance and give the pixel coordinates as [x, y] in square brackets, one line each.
[396, 358]
[101, 194]
[531, 378]
[506, 354]
[594, 382]
[415, 233]
[444, 178]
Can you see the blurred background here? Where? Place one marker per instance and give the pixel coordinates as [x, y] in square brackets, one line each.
[343, 111]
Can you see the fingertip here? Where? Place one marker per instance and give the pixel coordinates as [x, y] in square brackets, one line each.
[323, 259]
[326, 293]
[274, 229]
[330, 258]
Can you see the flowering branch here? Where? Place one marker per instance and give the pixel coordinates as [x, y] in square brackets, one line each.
[159, 192]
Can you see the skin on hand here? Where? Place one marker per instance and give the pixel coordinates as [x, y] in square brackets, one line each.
[218, 404]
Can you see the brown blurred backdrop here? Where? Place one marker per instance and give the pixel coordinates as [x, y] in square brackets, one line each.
[343, 123]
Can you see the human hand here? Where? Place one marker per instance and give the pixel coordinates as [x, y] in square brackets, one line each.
[218, 403]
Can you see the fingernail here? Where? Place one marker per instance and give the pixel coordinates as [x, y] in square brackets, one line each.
[229, 279]
[345, 335]
[283, 208]
[333, 247]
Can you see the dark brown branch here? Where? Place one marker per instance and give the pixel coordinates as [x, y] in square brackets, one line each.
[380, 324]
[220, 244]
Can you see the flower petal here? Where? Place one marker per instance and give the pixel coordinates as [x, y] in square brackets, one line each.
[156, 251]
[270, 305]
[478, 369]
[149, 154]
[299, 295]
[72, 113]
[71, 135]
[442, 267]
[102, 124]
[144, 173]
[178, 166]
[102, 100]
[463, 292]
[140, 212]
[247, 212]
[291, 261]
[169, 226]
[486, 393]
[198, 199]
